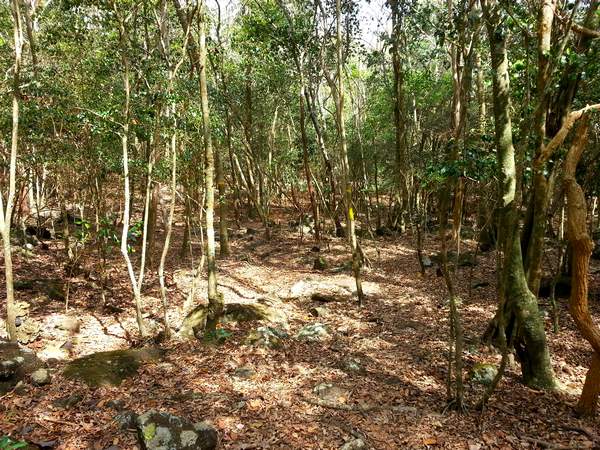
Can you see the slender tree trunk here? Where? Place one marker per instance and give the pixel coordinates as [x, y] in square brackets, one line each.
[6, 213]
[215, 300]
[338, 92]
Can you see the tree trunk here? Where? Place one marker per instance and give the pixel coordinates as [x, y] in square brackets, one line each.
[6, 214]
[582, 249]
[215, 300]
[338, 93]
[521, 319]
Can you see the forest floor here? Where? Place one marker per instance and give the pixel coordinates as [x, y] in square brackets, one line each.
[398, 338]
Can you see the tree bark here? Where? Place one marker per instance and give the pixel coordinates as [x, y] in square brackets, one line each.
[582, 246]
[521, 319]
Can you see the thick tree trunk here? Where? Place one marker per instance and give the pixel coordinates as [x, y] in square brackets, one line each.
[521, 319]
[582, 249]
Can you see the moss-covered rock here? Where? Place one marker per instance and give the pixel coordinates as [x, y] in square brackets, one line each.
[483, 373]
[15, 364]
[110, 368]
[164, 431]
[266, 337]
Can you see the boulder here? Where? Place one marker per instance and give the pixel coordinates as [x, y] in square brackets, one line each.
[164, 431]
[265, 309]
[110, 368]
[313, 332]
[41, 377]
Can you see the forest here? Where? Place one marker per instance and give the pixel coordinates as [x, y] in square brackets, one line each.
[299, 224]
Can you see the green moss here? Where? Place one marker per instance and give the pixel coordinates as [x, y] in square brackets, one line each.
[149, 431]
[110, 368]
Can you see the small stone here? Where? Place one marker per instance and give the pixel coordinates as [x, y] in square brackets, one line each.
[117, 404]
[70, 324]
[266, 337]
[353, 365]
[313, 332]
[318, 311]
[68, 401]
[354, 444]
[244, 372]
[127, 420]
[40, 377]
[426, 260]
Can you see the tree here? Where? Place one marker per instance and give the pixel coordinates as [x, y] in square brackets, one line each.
[518, 317]
[6, 213]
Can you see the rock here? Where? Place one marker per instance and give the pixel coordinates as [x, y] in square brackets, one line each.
[481, 284]
[483, 373]
[427, 262]
[264, 309]
[110, 368]
[383, 231]
[318, 311]
[16, 363]
[354, 444]
[313, 332]
[467, 260]
[28, 330]
[332, 394]
[320, 263]
[266, 337]
[67, 401]
[250, 230]
[41, 377]
[127, 420]
[315, 249]
[116, 404]
[244, 372]
[69, 324]
[325, 297]
[164, 431]
[353, 365]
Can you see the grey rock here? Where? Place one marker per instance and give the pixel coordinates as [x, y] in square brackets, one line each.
[318, 311]
[314, 332]
[164, 431]
[354, 444]
[68, 401]
[127, 420]
[331, 394]
[41, 377]
[483, 373]
[353, 365]
[244, 372]
[266, 337]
